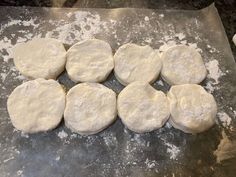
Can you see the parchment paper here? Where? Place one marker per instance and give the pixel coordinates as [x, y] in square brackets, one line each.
[116, 151]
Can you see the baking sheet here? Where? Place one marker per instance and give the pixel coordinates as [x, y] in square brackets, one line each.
[117, 151]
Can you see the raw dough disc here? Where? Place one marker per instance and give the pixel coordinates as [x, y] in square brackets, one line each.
[36, 106]
[192, 109]
[90, 108]
[142, 108]
[182, 65]
[136, 63]
[40, 58]
[89, 61]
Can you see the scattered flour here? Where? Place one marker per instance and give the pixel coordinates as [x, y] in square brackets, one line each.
[160, 83]
[225, 120]
[57, 158]
[146, 18]
[6, 49]
[194, 45]
[3, 76]
[180, 36]
[209, 86]
[84, 26]
[73, 135]
[19, 172]
[172, 150]
[150, 163]
[6, 44]
[214, 71]
[168, 125]
[169, 41]
[10, 158]
[110, 140]
[25, 135]
[62, 134]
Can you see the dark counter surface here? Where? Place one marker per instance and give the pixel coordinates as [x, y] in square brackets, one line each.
[226, 8]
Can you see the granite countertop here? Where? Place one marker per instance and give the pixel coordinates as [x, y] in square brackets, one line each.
[226, 8]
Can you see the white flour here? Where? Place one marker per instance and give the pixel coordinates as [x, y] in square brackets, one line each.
[57, 158]
[85, 26]
[6, 43]
[146, 18]
[180, 36]
[19, 172]
[225, 120]
[150, 163]
[214, 71]
[62, 134]
[110, 140]
[25, 135]
[172, 150]
[169, 41]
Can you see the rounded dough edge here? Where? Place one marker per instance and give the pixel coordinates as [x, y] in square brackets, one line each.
[121, 113]
[15, 98]
[181, 123]
[52, 73]
[74, 76]
[171, 81]
[68, 114]
[155, 55]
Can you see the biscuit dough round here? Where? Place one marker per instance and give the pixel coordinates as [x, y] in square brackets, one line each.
[182, 65]
[136, 63]
[142, 108]
[90, 108]
[192, 109]
[89, 61]
[40, 58]
[36, 106]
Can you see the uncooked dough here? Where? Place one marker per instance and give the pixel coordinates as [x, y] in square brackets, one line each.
[40, 58]
[136, 63]
[142, 108]
[90, 108]
[182, 65]
[36, 106]
[192, 109]
[89, 61]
